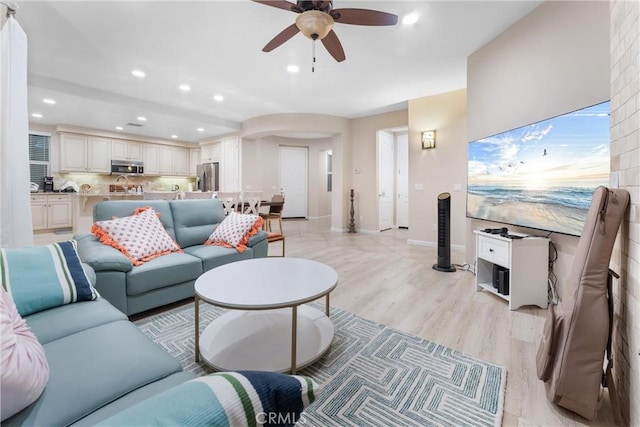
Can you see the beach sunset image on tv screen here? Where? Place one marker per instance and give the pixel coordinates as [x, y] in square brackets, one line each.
[542, 175]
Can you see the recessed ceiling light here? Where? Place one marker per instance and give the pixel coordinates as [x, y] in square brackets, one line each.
[184, 88]
[218, 98]
[37, 115]
[49, 101]
[142, 119]
[410, 19]
[293, 68]
[119, 128]
[138, 73]
[174, 136]
[200, 129]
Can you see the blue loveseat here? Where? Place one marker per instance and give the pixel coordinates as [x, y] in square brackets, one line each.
[169, 278]
[103, 370]
[99, 364]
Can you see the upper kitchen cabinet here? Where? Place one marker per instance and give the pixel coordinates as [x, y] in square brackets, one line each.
[181, 161]
[173, 160]
[126, 150]
[210, 153]
[151, 158]
[194, 160]
[82, 153]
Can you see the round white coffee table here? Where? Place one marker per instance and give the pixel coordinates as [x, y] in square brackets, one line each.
[267, 328]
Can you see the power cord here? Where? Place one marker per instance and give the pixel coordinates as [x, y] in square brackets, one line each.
[465, 267]
[554, 297]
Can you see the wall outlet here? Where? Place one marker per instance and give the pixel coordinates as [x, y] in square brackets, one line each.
[457, 187]
[419, 187]
[435, 227]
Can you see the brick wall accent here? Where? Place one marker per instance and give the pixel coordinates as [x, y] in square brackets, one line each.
[625, 168]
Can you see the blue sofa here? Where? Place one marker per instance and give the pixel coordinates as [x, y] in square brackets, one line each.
[99, 362]
[103, 370]
[169, 278]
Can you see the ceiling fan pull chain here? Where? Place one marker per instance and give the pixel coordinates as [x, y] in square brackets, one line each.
[313, 56]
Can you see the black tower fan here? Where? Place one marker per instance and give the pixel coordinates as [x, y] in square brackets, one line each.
[444, 234]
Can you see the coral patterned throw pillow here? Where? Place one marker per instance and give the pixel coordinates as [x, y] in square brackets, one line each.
[235, 230]
[140, 237]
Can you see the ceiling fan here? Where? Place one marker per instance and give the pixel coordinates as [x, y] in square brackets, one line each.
[316, 19]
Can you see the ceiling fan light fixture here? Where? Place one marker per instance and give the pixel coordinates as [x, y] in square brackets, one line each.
[314, 24]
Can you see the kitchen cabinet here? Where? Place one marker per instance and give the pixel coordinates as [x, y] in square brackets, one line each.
[82, 153]
[180, 161]
[194, 160]
[126, 150]
[51, 211]
[173, 160]
[151, 158]
[210, 153]
[166, 160]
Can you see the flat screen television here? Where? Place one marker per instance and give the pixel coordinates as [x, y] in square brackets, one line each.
[542, 175]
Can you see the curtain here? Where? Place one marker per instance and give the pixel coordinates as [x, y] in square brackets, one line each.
[15, 201]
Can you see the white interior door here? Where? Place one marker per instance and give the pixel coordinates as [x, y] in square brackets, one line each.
[402, 183]
[293, 181]
[385, 180]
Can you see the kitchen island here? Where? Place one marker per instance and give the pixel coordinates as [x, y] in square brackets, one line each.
[86, 201]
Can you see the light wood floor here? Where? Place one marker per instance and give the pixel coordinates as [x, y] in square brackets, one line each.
[383, 279]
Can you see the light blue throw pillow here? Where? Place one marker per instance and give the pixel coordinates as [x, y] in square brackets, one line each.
[43, 277]
[243, 398]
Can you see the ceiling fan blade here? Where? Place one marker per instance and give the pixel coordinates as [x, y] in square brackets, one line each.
[333, 45]
[282, 37]
[363, 17]
[281, 4]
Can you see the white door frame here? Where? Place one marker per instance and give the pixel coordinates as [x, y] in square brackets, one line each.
[402, 180]
[385, 179]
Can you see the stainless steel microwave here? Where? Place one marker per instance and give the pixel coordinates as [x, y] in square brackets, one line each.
[126, 167]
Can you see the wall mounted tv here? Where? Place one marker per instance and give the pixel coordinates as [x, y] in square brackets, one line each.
[541, 175]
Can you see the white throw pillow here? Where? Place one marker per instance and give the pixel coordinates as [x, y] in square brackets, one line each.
[140, 237]
[235, 230]
[24, 368]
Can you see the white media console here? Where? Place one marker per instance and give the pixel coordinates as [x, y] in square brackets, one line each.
[527, 260]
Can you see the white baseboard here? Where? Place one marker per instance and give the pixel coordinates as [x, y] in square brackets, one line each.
[346, 230]
[458, 248]
[319, 217]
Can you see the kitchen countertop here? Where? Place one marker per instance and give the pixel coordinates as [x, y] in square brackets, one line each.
[52, 193]
[107, 194]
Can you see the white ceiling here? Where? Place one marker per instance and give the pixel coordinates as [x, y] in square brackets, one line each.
[81, 54]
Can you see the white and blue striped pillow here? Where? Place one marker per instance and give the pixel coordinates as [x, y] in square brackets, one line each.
[43, 277]
[244, 398]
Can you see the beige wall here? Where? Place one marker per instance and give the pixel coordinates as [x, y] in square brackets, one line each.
[625, 162]
[260, 168]
[364, 154]
[337, 130]
[438, 169]
[582, 59]
[554, 60]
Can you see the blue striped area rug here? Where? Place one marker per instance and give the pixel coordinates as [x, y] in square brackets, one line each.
[372, 376]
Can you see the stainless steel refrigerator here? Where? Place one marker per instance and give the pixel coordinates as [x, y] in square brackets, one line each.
[207, 178]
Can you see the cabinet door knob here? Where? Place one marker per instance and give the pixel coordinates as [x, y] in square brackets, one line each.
[490, 250]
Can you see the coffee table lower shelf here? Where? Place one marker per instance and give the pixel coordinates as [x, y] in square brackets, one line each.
[261, 340]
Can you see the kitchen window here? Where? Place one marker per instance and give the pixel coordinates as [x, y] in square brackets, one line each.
[39, 149]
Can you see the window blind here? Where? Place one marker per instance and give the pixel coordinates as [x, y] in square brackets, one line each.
[39, 148]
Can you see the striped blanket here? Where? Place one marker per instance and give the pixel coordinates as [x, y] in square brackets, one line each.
[43, 277]
[229, 399]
